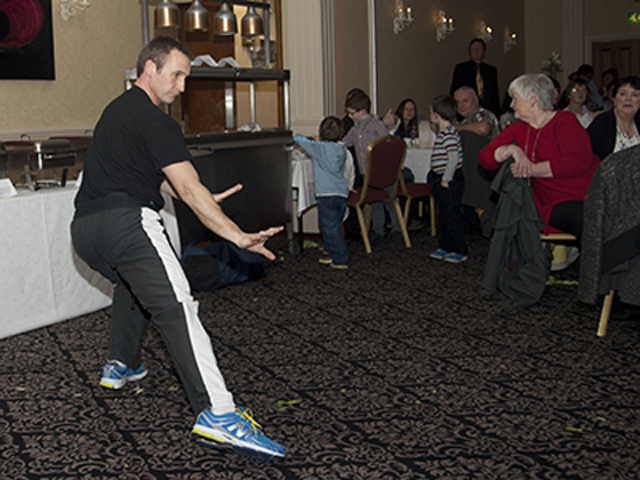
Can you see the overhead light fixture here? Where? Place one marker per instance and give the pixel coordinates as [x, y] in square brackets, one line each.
[167, 15]
[225, 21]
[444, 26]
[196, 18]
[251, 23]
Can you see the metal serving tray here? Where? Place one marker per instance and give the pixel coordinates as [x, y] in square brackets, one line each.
[30, 157]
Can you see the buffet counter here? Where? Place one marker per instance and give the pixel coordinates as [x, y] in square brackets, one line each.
[260, 161]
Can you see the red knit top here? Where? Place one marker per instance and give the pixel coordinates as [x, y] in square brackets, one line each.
[562, 142]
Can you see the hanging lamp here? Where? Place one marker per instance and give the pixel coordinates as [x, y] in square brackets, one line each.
[251, 23]
[225, 21]
[166, 15]
[196, 18]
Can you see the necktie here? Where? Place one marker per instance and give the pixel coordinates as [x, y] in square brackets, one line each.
[479, 82]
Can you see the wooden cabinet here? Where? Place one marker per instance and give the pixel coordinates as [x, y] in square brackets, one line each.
[202, 104]
[209, 103]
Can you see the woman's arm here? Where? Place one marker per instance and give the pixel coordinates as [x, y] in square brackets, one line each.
[490, 158]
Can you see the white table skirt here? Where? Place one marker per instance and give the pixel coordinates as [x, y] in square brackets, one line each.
[419, 161]
[42, 280]
[302, 180]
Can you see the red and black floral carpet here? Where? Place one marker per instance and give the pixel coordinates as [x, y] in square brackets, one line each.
[394, 369]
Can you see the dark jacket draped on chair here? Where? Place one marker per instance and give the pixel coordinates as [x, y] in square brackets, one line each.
[610, 258]
[517, 270]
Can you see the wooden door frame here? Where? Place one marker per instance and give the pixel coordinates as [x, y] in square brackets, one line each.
[589, 41]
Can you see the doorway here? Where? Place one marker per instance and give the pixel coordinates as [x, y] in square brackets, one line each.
[623, 55]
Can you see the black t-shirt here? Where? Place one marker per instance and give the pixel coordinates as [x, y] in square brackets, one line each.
[132, 142]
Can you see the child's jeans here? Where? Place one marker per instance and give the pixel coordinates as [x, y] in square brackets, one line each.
[330, 212]
[449, 212]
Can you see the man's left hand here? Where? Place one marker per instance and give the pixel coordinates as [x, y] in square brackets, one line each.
[255, 241]
[219, 197]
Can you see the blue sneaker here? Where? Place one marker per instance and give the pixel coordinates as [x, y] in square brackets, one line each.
[439, 254]
[455, 258]
[116, 374]
[238, 431]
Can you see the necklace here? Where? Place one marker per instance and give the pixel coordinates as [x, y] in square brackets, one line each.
[626, 140]
[628, 132]
[547, 119]
[535, 143]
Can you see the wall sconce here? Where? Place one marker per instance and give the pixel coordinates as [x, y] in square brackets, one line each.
[402, 18]
[445, 26]
[509, 41]
[485, 32]
[70, 7]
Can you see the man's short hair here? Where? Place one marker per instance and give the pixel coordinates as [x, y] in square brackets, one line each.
[331, 129]
[352, 91]
[464, 88]
[478, 40]
[585, 69]
[445, 106]
[157, 50]
[357, 101]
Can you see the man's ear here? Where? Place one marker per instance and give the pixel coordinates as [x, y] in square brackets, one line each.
[150, 67]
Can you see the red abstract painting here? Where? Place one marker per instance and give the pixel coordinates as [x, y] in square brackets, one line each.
[26, 40]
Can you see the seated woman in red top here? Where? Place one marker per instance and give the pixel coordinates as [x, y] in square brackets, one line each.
[549, 147]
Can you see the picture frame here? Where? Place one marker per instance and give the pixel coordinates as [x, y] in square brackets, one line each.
[26, 40]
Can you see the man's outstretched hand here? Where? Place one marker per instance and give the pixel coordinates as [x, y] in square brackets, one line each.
[251, 241]
[219, 197]
[255, 241]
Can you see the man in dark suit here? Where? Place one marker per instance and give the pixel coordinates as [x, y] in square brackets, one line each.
[480, 76]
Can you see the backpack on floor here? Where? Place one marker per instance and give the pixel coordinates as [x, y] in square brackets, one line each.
[220, 263]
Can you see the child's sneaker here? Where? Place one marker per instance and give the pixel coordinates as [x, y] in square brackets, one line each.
[329, 261]
[455, 258]
[439, 254]
[339, 267]
[238, 431]
[116, 374]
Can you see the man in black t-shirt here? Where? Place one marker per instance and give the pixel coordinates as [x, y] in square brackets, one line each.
[137, 152]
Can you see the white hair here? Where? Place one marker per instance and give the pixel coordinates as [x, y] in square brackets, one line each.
[537, 84]
[464, 88]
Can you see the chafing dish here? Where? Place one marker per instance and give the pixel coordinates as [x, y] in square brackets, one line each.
[28, 158]
[80, 145]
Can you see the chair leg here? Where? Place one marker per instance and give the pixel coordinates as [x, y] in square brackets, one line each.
[403, 224]
[605, 313]
[363, 230]
[432, 214]
[407, 206]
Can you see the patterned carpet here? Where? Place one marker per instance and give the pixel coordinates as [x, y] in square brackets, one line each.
[394, 369]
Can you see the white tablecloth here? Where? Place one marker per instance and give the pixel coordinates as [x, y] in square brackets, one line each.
[42, 281]
[419, 161]
[302, 180]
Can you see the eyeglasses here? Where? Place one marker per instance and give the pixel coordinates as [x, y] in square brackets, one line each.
[351, 112]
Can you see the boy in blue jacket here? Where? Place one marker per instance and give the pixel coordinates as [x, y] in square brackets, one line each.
[332, 188]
